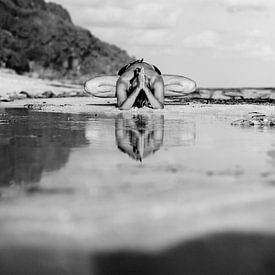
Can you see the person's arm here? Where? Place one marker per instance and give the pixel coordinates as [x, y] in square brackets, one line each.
[124, 102]
[157, 99]
[122, 133]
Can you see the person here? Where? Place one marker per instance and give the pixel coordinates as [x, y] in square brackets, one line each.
[139, 84]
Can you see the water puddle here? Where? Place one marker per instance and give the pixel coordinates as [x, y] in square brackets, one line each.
[97, 193]
[34, 144]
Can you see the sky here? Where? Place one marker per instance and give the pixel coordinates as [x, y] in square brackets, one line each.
[218, 43]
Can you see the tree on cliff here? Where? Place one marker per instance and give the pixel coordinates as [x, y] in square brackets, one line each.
[36, 36]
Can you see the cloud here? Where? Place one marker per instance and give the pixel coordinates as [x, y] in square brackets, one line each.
[157, 24]
[253, 49]
[253, 43]
[247, 5]
[154, 15]
[154, 38]
[124, 13]
[99, 17]
[249, 44]
[207, 39]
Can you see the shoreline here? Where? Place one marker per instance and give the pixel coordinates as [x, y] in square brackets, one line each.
[16, 87]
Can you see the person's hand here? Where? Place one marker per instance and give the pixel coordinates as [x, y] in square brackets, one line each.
[142, 79]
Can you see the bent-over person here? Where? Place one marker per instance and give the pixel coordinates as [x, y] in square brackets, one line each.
[140, 84]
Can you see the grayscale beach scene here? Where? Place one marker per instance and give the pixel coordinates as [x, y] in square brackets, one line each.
[137, 138]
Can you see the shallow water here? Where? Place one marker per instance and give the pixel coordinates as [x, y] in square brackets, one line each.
[93, 193]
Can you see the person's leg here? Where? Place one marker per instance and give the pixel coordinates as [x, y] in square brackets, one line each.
[101, 86]
[176, 85]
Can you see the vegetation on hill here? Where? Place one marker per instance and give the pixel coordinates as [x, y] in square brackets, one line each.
[40, 37]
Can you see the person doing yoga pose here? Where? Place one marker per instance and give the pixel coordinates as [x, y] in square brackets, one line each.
[139, 84]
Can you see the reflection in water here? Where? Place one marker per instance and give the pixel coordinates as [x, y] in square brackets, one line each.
[179, 132]
[271, 154]
[139, 135]
[32, 142]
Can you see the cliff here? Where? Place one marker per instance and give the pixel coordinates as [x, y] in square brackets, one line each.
[40, 37]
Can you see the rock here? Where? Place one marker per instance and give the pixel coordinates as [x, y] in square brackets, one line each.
[254, 119]
[48, 94]
[26, 94]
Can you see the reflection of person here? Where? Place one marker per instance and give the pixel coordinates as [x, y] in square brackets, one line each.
[139, 84]
[139, 135]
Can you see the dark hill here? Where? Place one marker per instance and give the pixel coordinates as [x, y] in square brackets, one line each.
[40, 37]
